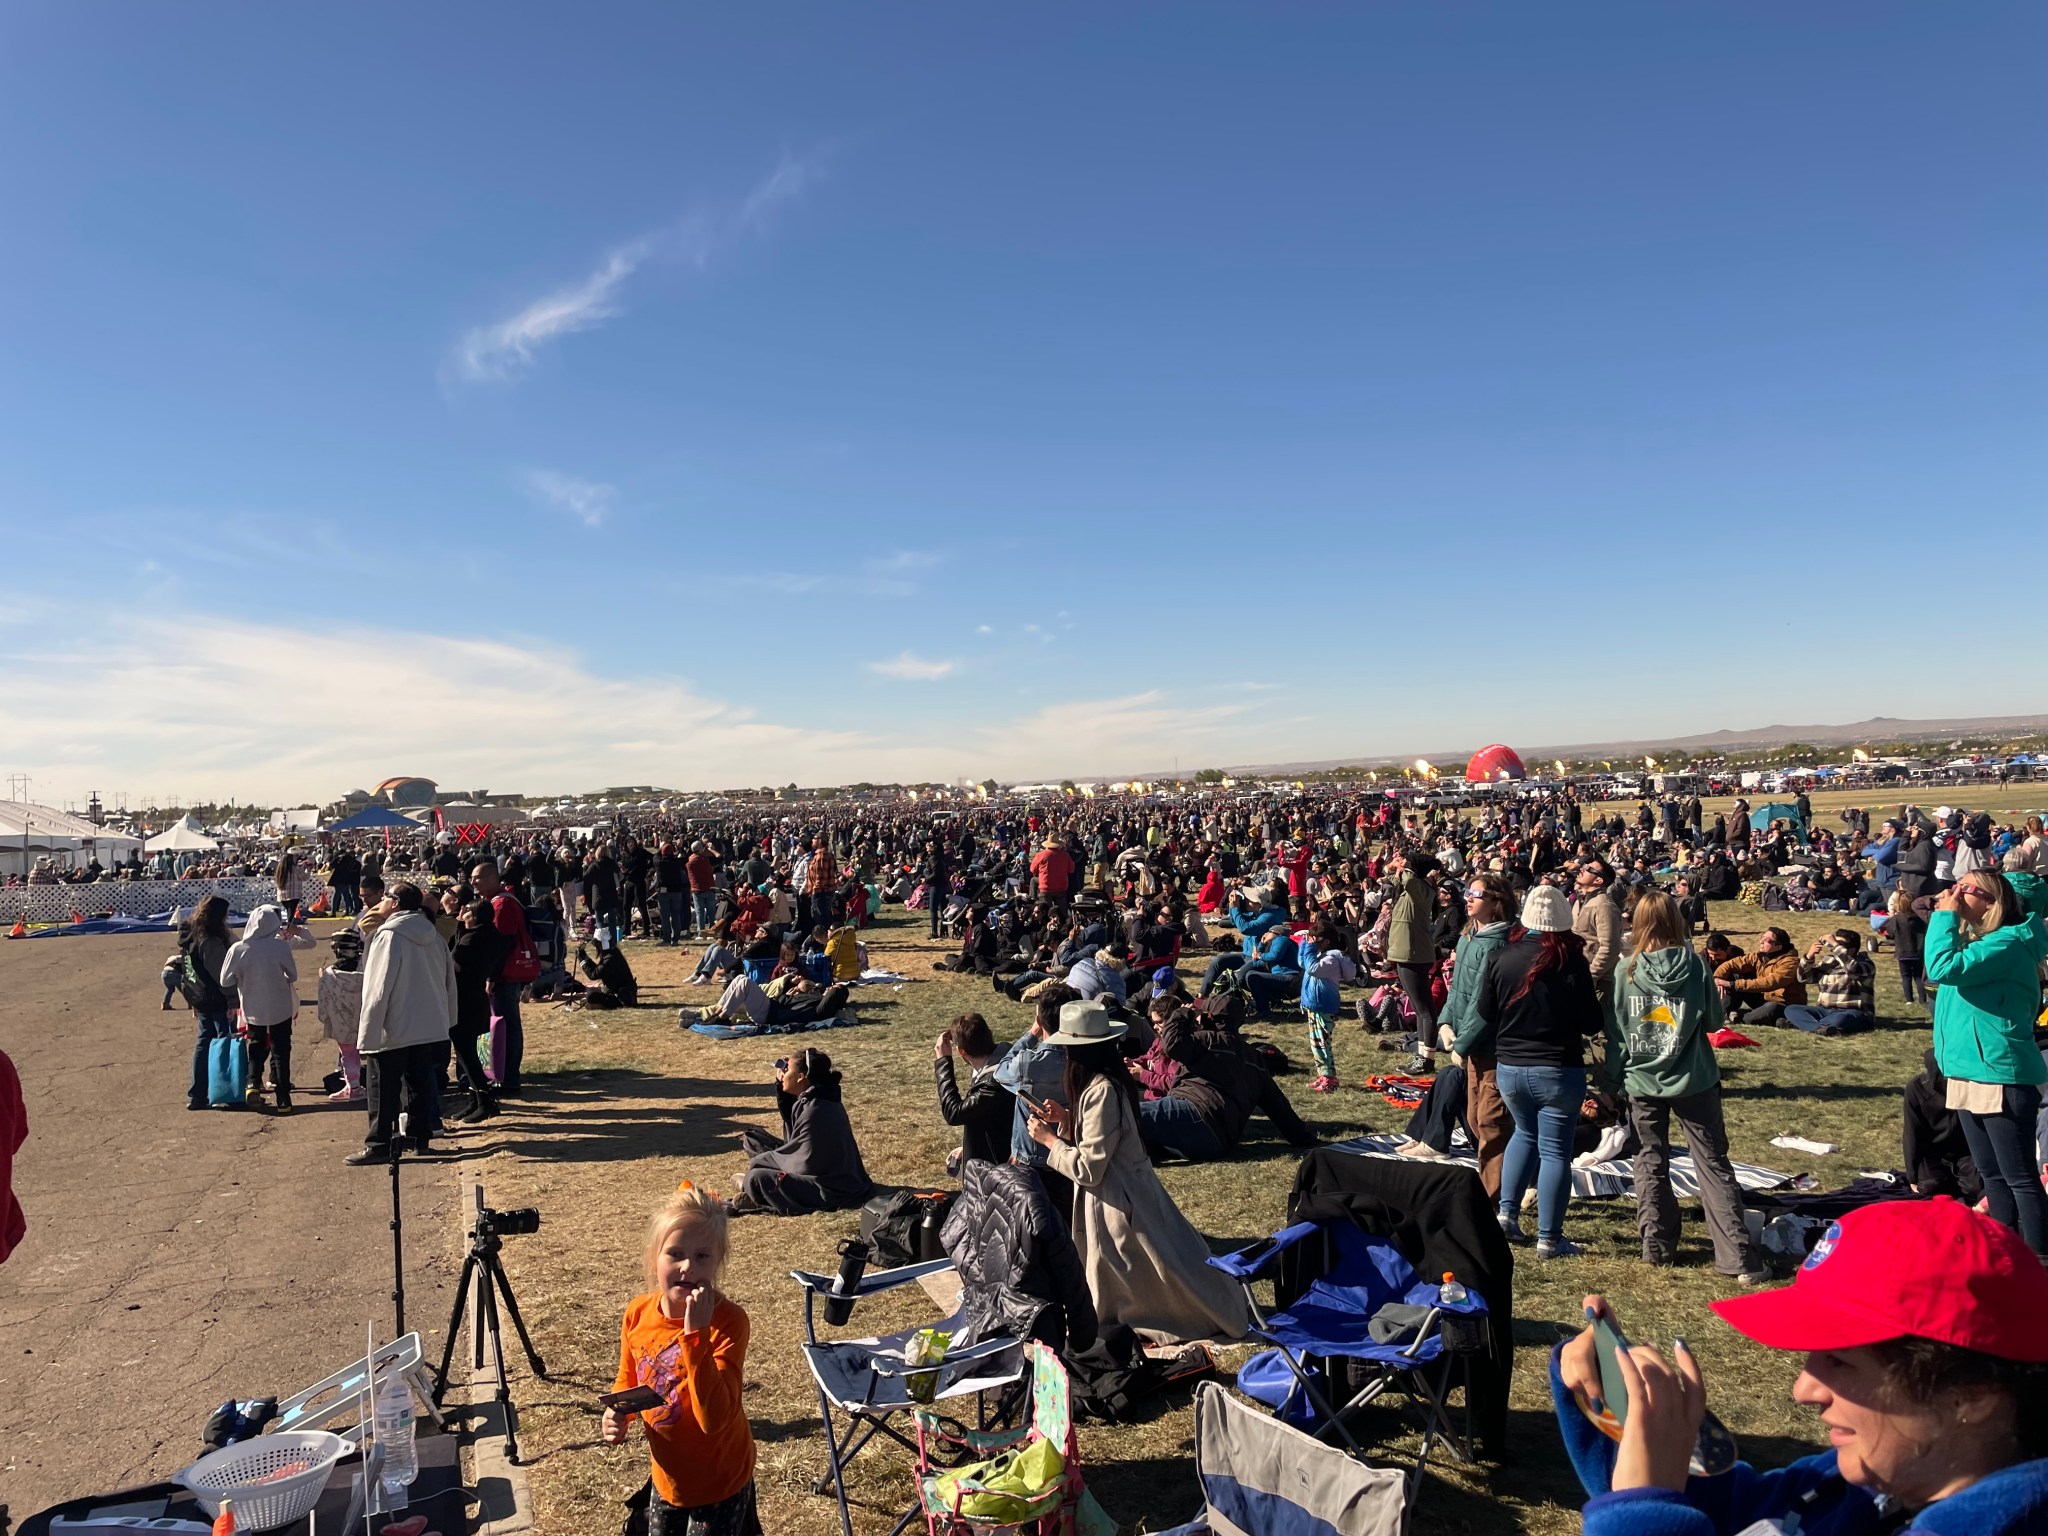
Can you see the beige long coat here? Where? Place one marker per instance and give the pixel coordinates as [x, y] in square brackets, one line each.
[1147, 1267]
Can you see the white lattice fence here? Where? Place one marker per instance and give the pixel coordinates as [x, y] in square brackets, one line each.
[128, 898]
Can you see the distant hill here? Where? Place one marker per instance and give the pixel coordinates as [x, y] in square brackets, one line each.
[1879, 728]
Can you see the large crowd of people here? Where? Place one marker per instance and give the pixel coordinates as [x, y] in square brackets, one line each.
[1541, 966]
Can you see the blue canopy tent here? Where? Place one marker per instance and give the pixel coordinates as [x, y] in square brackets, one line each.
[371, 818]
[1761, 818]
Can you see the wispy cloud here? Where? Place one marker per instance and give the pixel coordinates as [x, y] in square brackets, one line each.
[495, 353]
[908, 667]
[984, 629]
[588, 501]
[507, 349]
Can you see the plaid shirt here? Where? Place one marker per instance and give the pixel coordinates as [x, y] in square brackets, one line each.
[823, 873]
[1841, 979]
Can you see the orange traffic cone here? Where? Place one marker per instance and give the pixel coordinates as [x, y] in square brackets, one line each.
[77, 916]
[19, 930]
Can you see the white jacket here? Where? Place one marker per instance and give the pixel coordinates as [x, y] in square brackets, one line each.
[261, 968]
[408, 986]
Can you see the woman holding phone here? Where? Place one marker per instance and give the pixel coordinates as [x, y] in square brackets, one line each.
[1925, 1332]
[1147, 1267]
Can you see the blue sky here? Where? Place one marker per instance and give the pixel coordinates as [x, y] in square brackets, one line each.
[542, 397]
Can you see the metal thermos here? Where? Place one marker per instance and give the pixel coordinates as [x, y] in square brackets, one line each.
[853, 1263]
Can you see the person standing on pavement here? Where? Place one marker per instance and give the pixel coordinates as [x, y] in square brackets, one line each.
[517, 965]
[205, 944]
[408, 1014]
[265, 977]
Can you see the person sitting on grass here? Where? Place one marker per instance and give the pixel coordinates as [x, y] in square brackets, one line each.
[1756, 989]
[1844, 979]
[687, 1341]
[815, 1165]
[1926, 1357]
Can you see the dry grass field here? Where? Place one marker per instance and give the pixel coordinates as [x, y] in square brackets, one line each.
[625, 1104]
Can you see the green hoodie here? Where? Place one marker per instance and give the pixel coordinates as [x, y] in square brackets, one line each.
[1990, 993]
[1663, 1008]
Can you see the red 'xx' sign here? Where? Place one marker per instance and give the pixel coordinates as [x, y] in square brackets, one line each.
[471, 831]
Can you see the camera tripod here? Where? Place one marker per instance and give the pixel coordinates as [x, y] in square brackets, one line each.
[484, 1266]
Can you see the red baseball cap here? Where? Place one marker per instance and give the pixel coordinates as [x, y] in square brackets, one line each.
[1934, 1269]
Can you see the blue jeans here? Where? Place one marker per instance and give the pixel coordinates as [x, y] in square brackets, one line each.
[673, 921]
[1545, 1103]
[1174, 1125]
[705, 904]
[1828, 1021]
[212, 1027]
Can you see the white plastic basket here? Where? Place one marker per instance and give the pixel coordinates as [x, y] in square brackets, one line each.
[273, 1479]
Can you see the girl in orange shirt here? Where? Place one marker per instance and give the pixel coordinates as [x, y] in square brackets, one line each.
[689, 1343]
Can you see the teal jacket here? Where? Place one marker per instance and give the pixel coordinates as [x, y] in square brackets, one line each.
[1990, 994]
[1472, 1035]
[1663, 1008]
[2031, 889]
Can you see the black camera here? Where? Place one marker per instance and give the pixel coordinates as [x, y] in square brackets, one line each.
[513, 1223]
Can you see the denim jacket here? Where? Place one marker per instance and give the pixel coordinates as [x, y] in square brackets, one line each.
[1031, 1066]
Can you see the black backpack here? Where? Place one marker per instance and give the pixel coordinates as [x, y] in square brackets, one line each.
[894, 1226]
[199, 987]
[1114, 1377]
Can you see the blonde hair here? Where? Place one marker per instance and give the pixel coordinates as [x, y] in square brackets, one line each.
[2002, 911]
[688, 1203]
[1655, 923]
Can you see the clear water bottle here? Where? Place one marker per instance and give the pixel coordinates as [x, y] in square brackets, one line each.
[1453, 1293]
[393, 1419]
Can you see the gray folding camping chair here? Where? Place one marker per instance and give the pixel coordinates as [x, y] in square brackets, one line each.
[1261, 1477]
[867, 1385]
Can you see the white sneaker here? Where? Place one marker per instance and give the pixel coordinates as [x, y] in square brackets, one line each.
[1421, 1149]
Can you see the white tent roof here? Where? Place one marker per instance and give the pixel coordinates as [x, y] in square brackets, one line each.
[44, 828]
[181, 838]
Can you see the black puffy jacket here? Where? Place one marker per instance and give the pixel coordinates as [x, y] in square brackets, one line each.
[1019, 1274]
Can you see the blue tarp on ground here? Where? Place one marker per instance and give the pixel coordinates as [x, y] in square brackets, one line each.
[158, 924]
[749, 1031]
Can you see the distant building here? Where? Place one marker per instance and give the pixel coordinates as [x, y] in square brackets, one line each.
[406, 793]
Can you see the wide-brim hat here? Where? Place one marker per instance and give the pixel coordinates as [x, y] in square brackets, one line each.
[1086, 1024]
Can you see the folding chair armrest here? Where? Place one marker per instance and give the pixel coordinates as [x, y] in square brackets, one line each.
[1249, 1263]
[875, 1281]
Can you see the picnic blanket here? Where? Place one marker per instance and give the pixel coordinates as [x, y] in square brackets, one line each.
[1601, 1179]
[793, 1027]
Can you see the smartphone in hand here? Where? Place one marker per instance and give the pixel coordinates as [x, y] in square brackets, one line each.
[632, 1400]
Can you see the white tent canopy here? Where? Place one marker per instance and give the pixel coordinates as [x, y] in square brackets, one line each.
[29, 832]
[184, 837]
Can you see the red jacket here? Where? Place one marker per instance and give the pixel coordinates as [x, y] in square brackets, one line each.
[1055, 870]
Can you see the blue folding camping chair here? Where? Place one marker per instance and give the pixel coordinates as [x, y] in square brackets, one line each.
[1333, 1320]
[866, 1383]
